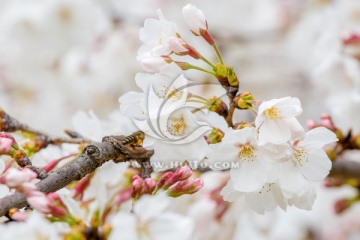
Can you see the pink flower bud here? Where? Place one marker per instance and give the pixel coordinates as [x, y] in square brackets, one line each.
[188, 186]
[183, 173]
[47, 204]
[195, 19]
[57, 206]
[39, 201]
[28, 187]
[136, 186]
[341, 205]
[310, 124]
[328, 124]
[6, 142]
[19, 216]
[149, 185]
[178, 45]
[164, 178]
[351, 38]
[81, 186]
[122, 197]
[14, 178]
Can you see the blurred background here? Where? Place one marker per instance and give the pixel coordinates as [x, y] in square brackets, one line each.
[58, 57]
[61, 56]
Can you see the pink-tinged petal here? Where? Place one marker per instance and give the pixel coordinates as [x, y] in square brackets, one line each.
[274, 131]
[316, 165]
[318, 138]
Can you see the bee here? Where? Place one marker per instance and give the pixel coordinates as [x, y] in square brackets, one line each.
[134, 140]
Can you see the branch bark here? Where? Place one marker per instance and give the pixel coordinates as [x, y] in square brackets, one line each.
[346, 169]
[94, 156]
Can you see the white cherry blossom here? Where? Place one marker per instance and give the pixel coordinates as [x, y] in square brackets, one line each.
[155, 35]
[276, 120]
[147, 223]
[240, 146]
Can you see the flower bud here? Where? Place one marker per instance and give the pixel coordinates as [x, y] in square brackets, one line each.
[188, 186]
[195, 19]
[6, 142]
[217, 105]
[16, 215]
[341, 205]
[14, 178]
[311, 124]
[215, 136]
[244, 100]
[39, 201]
[122, 197]
[351, 38]
[180, 47]
[57, 206]
[149, 185]
[164, 178]
[136, 186]
[182, 173]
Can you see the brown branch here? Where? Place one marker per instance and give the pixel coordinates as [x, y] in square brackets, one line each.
[345, 169]
[10, 124]
[94, 156]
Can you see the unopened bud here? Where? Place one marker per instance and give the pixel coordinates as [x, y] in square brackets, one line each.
[164, 178]
[195, 19]
[16, 215]
[215, 136]
[244, 100]
[180, 47]
[188, 186]
[333, 182]
[341, 205]
[351, 38]
[182, 173]
[136, 186]
[311, 124]
[149, 185]
[122, 197]
[14, 178]
[6, 142]
[217, 105]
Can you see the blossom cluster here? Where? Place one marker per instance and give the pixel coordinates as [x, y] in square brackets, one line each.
[277, 159]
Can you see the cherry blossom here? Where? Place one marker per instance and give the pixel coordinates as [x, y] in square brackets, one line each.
[276, 120]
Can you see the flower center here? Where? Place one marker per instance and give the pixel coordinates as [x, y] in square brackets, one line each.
[273, 113]
[300, 156]
[246, 153]
[177, 126]
[266, 188]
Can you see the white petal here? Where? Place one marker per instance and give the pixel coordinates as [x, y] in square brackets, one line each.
[274, 131]
[318, 137]
[249, 177]
[229, 193]
[171, 226]
[158, 204]
[317, 166]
